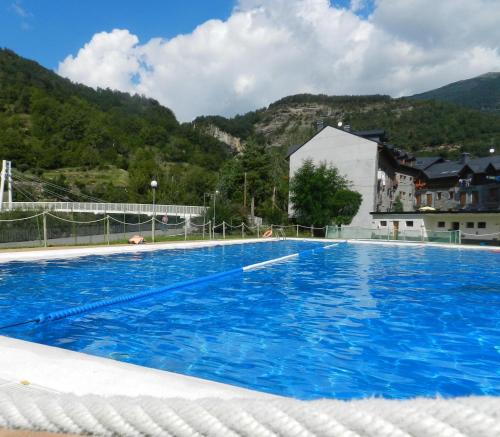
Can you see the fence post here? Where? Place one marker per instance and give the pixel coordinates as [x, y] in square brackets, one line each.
[459, 237]
[224, 230]
[107, 229]
[45, 229]
[185, 230]
[258, 230]
[326, 231]
[297, 231]
[242, 230]
[203, 230]
[312, 230]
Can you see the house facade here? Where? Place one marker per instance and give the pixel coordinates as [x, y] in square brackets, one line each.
[354, 155]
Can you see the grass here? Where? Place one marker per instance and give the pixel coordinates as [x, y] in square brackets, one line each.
[94, 177]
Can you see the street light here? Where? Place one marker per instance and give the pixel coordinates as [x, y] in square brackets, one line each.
[154, 184]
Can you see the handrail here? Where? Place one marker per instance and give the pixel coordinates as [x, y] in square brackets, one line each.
[111, 208]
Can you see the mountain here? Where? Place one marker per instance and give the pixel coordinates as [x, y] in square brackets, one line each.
[421, 126]
[49, 124]
[481, 93]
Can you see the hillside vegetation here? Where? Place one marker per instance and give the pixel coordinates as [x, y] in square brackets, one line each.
[48, 123]
[481, 93]
[424, 127]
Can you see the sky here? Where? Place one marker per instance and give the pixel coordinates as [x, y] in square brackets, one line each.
[202, 57]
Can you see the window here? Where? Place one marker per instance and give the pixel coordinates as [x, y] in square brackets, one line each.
[439, 195]
[441, 224]
[450, 194]
[383, 223]
[402, 193]
[429, 199]
[418, 199]
[481, 225]
[470, 225]
[411, 179]
[409, 223]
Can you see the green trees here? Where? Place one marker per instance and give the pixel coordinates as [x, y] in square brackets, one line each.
[320, 196]
[49, 123]
[258, 175]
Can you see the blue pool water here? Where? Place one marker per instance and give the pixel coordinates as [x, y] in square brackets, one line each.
[353, 321]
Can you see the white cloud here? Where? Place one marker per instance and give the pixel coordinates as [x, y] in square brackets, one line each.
[268, 49]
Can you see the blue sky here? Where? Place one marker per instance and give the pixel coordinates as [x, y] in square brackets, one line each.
[48, 31]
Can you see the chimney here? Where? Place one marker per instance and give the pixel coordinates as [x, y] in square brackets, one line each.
[465, 158]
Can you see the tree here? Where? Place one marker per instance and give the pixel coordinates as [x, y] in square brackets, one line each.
[345, 204]
[397, 206]
[320, 196]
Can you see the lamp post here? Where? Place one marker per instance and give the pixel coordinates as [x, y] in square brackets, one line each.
[154, 184]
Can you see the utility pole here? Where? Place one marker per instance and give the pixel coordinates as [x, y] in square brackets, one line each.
[6, 176]
[2, 182]
[245, 192]
[9, 183]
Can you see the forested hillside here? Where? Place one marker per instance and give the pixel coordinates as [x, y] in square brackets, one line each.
[481, 93]
[424, 127]
[47, 123]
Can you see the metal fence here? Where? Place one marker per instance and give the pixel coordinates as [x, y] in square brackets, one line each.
[355, 233]
[48, 228]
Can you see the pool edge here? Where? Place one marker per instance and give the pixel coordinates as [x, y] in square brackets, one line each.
[27, 364]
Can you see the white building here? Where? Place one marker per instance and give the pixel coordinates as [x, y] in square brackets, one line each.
[474, 227]
[354, 154]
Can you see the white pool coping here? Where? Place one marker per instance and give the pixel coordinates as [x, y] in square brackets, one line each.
[48, 368]
[75, 252]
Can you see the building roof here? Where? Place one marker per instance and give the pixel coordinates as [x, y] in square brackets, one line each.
[479, 165]
[446, 169]
[426, 161]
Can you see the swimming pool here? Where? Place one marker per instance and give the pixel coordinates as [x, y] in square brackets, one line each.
[357, 320]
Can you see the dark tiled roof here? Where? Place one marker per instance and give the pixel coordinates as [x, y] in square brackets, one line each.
[370, 133]
[444, 170]
[479, 165]
[426, 161]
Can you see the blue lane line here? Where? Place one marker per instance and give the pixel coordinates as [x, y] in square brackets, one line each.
[80, 309]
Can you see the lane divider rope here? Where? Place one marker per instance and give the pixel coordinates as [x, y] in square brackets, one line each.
[89, 307]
